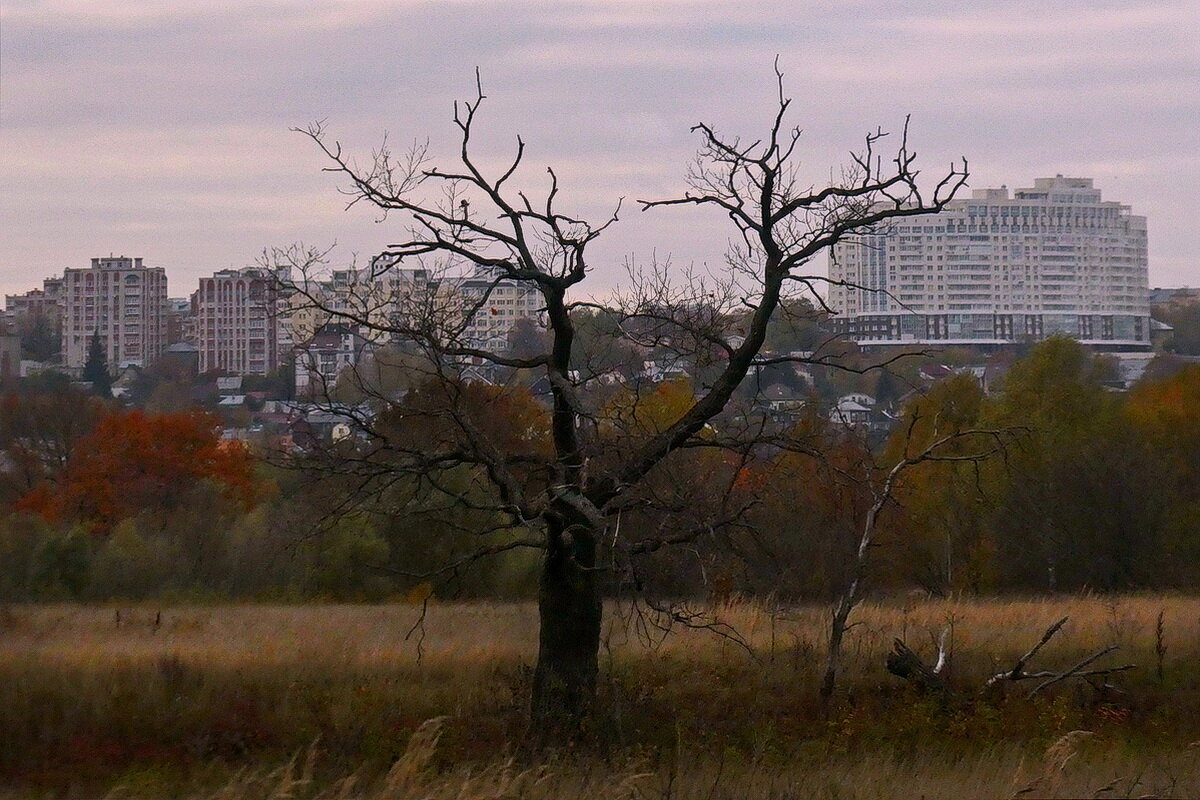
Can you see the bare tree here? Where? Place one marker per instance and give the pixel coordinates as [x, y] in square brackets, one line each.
[970, 446]
[562, 483]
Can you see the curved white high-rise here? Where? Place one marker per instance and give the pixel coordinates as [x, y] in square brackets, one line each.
[995, 269]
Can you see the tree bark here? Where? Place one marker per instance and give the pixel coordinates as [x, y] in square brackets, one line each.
[837, 630]
[571, 612]
[904, 663]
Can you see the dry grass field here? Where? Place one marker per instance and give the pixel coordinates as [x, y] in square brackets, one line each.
[343, 701]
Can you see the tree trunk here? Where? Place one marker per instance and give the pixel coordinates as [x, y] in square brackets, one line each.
[570, 612]
[837, 630]
[904, 663]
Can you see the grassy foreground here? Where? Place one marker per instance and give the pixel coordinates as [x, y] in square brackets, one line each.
[341, 701]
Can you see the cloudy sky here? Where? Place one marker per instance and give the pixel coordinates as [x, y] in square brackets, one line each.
[161, 129]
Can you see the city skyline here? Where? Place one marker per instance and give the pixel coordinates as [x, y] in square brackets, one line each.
[163, 132]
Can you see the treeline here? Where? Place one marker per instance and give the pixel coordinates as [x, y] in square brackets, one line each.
[1087, 488]
[1084, 488]
[106, 503]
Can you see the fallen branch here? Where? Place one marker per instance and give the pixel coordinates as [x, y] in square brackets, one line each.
[1018, 671]
[903, 662]
[1077, 671]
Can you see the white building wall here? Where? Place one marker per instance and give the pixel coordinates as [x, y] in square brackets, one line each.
[1054, 258]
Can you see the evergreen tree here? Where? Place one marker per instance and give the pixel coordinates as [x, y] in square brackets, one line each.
[95, 369]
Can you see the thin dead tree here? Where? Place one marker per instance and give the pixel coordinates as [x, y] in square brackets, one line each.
[957, 446]
[559, 483]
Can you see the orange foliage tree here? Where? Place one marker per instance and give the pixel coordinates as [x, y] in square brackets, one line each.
[133, 462]
[1167, 414]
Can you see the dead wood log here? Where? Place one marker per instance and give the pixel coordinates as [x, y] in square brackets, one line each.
[904, 663]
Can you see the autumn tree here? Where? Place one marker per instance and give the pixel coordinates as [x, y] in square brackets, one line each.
[565, 492]
[1071, 513]
[41, 337]
[40, 427]
[939, 536]
[1164, 419]
[809, 496]
[1183, 315]
[131, 462]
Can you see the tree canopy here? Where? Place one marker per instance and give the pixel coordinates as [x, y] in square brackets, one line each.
[132, 462]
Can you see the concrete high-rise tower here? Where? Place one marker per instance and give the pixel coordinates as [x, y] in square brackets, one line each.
[124, 302]
[995, 269]
[235, 322]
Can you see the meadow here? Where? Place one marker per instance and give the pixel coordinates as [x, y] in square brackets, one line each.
[249, 701]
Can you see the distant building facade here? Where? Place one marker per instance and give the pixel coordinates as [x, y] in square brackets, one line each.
[1182, 297]
[995, 269]
[45, 302]
[492, 305]
[333, 348]
[36, 316]
[123, 301]
[476, 309]
[181, 361]
[305, 304]
[10, 356]
[180, 323]
[387, 300]
[234, 322]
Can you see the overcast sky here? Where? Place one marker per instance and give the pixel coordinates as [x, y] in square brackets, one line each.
[161, 129]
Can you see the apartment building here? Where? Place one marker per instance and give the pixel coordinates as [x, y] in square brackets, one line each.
[234, 322]
[996, 269]
[123, 301]
[45, 302]
[180, 322]
[476, 309]
[322, 358]
[492, 305]
[36, 317]
[331, 323]
[392, 301]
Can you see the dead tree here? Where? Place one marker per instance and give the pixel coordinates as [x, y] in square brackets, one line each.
[561, 484]
[904, 663]
[972, 446]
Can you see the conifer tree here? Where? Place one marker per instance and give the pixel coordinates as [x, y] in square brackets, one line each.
[95, 369]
